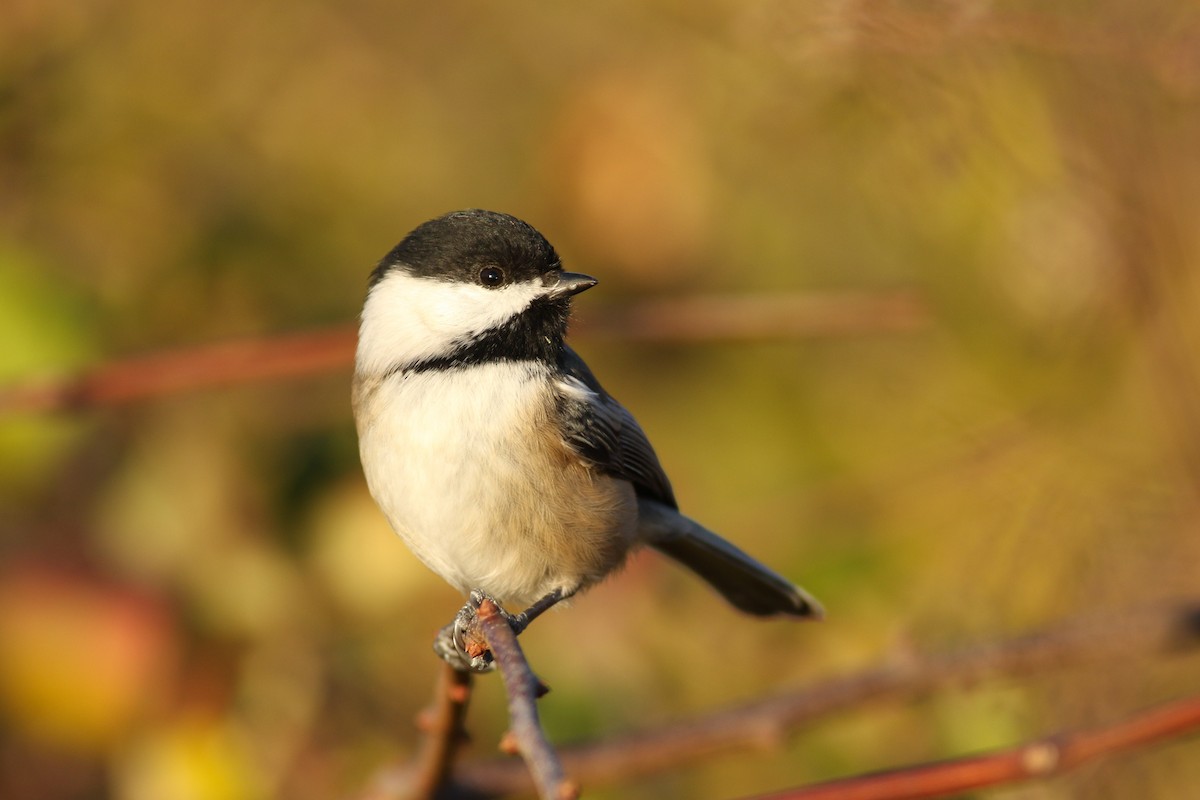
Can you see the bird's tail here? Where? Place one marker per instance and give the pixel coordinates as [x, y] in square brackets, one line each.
[744, 582]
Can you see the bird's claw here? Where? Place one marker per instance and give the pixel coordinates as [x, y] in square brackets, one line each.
[460, 643]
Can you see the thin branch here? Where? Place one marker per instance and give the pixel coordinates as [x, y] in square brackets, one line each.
[184, 370]
[444, 735]
[523, 689]
[743, 318]
[1052, 755]
[765, 722]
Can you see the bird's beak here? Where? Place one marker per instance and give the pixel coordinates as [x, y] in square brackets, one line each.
[570, 283]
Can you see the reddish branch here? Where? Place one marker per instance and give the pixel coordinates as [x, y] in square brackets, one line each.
[1040, 759]
[444, 735]
[295, 355]
[1105, 639]
[185, 370]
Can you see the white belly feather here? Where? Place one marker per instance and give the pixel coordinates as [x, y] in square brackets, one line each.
[470, 472]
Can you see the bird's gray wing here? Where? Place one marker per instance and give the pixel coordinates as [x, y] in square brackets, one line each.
[604, 433]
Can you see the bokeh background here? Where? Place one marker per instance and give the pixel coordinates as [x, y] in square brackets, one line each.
[198, 599]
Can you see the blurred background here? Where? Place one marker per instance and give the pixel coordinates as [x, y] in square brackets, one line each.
[198, 599]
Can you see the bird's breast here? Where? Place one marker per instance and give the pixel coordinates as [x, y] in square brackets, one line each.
[471, 471]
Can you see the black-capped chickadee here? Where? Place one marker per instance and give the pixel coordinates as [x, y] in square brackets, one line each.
[492, 449]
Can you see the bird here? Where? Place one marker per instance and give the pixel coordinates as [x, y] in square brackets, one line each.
[492, 449]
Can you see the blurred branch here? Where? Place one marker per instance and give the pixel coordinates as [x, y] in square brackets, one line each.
[444, 734]
[1043, 758]
[765, 722]
[184, 370]
[688, 320]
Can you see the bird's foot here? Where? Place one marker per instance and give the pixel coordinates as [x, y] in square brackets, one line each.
[461, 645]
[456, 645]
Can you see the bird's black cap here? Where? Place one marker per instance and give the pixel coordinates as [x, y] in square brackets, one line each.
[455, 246]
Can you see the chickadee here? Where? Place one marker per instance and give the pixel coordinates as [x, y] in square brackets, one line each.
[492, 449]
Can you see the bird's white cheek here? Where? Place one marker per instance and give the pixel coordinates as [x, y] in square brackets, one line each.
[408, 319]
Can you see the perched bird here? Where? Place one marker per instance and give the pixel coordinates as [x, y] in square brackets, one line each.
[492, 449]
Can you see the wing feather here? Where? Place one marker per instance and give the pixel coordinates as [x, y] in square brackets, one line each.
[604, 433]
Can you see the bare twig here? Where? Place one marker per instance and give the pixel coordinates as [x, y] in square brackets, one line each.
[184, 370]
[295, 355]
[523, 689]
[444, 733]
[1039, 759]
[1108, 638]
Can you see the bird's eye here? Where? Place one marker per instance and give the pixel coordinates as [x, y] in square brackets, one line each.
[491, 276]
